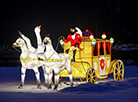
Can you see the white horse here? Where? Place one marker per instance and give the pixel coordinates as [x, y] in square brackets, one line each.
[28, 60]
[56, 62]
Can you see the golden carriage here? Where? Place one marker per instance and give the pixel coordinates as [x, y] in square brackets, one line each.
[94, 61]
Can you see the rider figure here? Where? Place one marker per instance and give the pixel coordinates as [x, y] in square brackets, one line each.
[75, 39]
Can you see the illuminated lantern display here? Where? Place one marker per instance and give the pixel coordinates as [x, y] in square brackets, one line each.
[91, 37]
[102, 64]
[88, 33]
[93, 42]
[28, 60]
[94, 61]
[75, 38]
[91, 62]
[29, 55]
[56, 62]
[103, 36]
[111, 40]
[61, 42]
[31, 60]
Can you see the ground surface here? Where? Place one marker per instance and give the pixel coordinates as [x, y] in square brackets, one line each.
[105, 90]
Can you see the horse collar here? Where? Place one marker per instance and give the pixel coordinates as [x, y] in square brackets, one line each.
[50, 56]
[25, 57]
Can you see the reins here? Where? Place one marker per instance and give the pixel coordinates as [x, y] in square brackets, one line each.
[59, 40]
[16, 49]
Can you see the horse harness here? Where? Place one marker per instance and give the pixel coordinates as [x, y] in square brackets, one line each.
[45, 60]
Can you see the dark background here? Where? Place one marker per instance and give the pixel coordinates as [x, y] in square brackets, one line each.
[114, 17]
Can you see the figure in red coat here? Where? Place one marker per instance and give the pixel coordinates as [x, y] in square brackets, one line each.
[75, 39]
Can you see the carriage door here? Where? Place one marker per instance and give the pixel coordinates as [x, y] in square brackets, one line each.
[102, 66]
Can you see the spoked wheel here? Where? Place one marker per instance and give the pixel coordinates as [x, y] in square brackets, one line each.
[82, 79]
[118, 70]
[91, 76]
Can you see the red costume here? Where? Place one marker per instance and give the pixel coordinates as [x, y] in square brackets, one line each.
[76, 40]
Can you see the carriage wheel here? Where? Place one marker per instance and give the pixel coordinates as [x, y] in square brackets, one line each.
[91, 76]
[82, 79]
[118, 70]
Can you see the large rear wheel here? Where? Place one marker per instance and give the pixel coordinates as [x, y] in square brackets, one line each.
[118, 70]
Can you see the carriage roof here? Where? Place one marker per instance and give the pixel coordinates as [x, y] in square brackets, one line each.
[87, 39]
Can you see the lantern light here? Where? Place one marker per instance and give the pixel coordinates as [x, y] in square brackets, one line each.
[111, 40]
[91, 37]
[93, 42]
[103, 36]
[61, 42]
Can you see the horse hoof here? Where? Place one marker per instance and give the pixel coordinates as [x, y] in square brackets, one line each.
[46, 85]
[38, 87]
[72, 85]
[55, 89]
[49, 88]
[20, 87]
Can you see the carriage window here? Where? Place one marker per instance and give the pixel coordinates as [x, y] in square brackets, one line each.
[95, 50]
[108, 51]
[101, 48]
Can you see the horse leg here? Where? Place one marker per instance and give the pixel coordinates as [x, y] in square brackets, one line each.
[45, 76]
[56, 79]
[23, 70]
[69, 72]
[37, 77]
[49, 77]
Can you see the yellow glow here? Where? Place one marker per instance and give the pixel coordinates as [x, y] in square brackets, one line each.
[93, 42]
[103, 36]
[91, 37]
[111, 40]
[85, 59]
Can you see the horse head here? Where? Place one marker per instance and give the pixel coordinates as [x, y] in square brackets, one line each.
[47, 41]
[18, 43]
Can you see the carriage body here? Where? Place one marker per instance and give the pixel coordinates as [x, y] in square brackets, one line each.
[95, 58]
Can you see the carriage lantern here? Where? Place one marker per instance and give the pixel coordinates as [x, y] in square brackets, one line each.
[93, 42]
[94, 60]
[61, 42]
[103, 36]
[111, 40]
[91, 37]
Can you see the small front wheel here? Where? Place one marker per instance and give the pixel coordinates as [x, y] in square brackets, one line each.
[91, 76]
